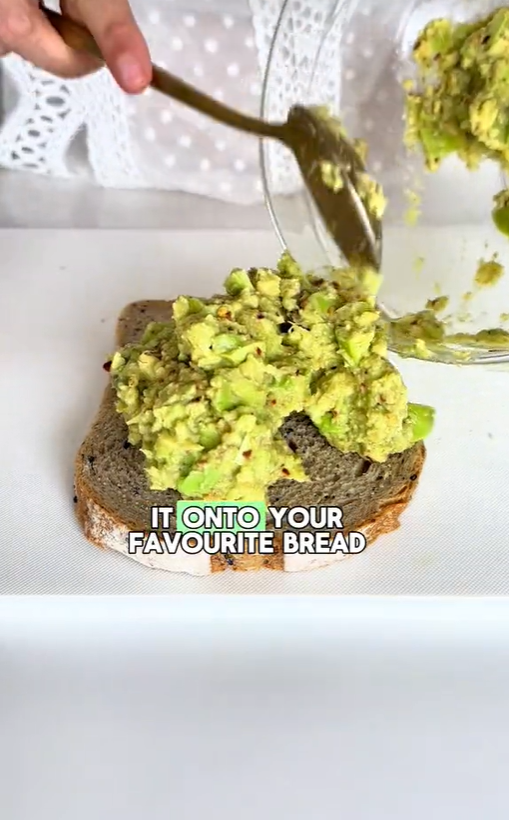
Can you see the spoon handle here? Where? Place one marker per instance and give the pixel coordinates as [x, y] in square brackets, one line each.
[78, 37]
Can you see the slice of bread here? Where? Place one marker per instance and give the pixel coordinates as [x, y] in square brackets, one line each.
[112, 496]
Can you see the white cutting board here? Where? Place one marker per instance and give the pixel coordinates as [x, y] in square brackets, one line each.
[60, 293]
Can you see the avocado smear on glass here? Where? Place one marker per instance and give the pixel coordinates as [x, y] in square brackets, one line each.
[462, 107]
[204, 395]
[333, 175]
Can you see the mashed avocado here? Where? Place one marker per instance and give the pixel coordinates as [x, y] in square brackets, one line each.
[372, 195]
[333, 175]
[462, 105]
[438, 305]
[370, 192]
[488, 273]
[418, 334]
[204, 396]
[424, 336]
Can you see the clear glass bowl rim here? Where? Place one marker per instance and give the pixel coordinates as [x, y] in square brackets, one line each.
[493, 358]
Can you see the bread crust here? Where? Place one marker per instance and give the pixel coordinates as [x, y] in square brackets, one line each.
[104, 528]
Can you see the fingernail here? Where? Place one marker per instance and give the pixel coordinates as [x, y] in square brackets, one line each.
[131, 73]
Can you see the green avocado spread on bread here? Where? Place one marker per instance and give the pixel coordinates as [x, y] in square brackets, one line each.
[204, 396]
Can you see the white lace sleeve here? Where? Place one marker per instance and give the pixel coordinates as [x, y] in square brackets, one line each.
[88, 126]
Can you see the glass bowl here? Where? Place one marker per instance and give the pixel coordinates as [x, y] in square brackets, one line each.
[354, 55]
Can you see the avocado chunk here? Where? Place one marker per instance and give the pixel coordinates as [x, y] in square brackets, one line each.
[422, 419]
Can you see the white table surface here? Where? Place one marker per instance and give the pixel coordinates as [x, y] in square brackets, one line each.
[60, 293]
[248, 708]
[31, 201]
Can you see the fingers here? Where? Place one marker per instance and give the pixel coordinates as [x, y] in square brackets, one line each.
[122, 45]
[24, 30]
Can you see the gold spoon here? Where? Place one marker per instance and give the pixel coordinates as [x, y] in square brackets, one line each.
[315, 143]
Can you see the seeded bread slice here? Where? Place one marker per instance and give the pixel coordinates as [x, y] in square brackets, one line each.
[112, 496]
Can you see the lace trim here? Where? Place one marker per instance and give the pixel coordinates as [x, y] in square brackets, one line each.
[297, 76]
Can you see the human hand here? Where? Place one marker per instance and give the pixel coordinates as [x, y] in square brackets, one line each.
[25, 31]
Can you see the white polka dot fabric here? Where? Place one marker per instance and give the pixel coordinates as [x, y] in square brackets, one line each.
[150, 141]
[214, 48]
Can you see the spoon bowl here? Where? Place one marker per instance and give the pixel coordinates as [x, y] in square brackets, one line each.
[319, 146]
[313, 139]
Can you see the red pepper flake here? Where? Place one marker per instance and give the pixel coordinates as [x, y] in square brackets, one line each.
[248, 454]
[107, 366]
[285, 472]
[258, 351]
[273, 402]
